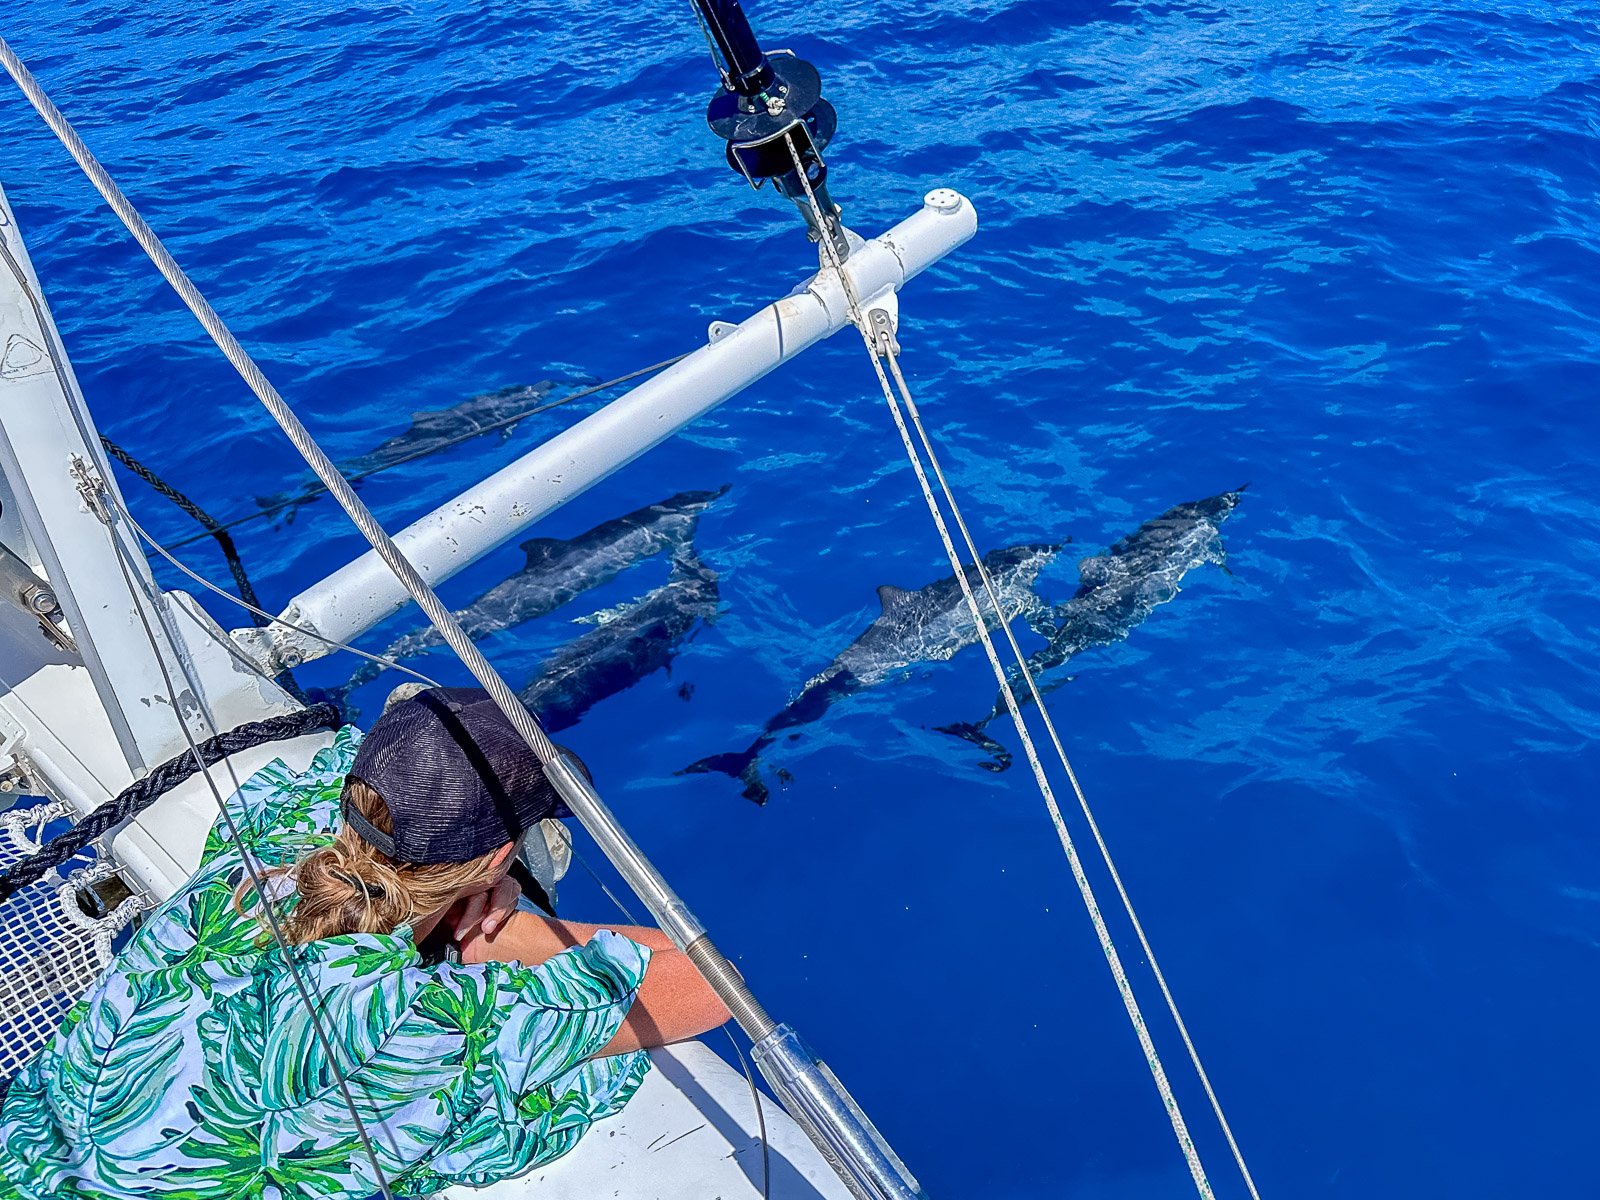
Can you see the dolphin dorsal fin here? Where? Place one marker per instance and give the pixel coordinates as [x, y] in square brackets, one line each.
[541, 549]
[892, 597]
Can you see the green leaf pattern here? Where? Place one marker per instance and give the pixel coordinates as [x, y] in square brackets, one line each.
[193, 1071]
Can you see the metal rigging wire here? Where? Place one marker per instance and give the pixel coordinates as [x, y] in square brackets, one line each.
[1083, 801]
[711, 46]
[880, 346]
[228, 644]
[744, 1062]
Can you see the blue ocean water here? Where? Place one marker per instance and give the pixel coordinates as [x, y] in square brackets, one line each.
[1346, 252]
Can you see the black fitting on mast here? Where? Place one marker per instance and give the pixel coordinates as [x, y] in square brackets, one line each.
[748, 72]
[770, 113]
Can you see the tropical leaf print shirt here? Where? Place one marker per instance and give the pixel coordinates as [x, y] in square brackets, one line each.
[192, 1071]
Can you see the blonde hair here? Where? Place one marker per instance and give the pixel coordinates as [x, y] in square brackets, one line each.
[353, 887]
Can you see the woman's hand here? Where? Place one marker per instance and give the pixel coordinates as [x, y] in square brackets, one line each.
[482, 913]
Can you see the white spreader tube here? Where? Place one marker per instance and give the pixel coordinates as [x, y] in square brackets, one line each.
[364, 592]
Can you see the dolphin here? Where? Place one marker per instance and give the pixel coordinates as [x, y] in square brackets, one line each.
[430, 430]
[927, 625]
[628, 642]
[1117, 590]
[558, 570]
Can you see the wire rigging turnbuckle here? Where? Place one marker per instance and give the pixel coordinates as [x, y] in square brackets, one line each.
[766, 101]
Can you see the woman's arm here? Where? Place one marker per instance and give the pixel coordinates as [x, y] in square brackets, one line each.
[674, 1002]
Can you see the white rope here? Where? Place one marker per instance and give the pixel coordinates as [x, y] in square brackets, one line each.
[101, 930]
[878, 351]
[1077, 788]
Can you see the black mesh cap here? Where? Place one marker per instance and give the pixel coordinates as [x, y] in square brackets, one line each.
[457, 778]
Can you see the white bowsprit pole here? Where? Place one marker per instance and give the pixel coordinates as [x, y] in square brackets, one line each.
[361, 593]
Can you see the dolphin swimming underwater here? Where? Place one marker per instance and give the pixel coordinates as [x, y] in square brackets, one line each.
[560, 569]
[928, 625]
[630, 642]
[1118, 590]
[430, 430]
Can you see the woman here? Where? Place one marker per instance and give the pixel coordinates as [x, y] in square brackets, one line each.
[194, 1068]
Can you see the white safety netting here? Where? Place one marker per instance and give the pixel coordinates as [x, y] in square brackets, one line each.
[51, 948]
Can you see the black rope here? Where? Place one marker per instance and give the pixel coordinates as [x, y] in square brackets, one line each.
[247, 593]
[145, 792]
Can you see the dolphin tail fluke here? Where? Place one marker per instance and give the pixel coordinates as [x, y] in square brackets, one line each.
[754, 790]
[338, 697]
[365, 673]
[733, 763]
[969, 732]
[741, 765]
[279, 508]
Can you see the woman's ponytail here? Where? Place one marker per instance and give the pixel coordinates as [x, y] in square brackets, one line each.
[352, 887]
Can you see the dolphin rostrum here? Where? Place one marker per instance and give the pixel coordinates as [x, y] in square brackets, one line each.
[928, 625]
[558, 570]
[431, 430]
[1118, 590]
[628, 643]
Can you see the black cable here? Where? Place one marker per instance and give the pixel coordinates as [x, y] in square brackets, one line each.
[206, 520]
